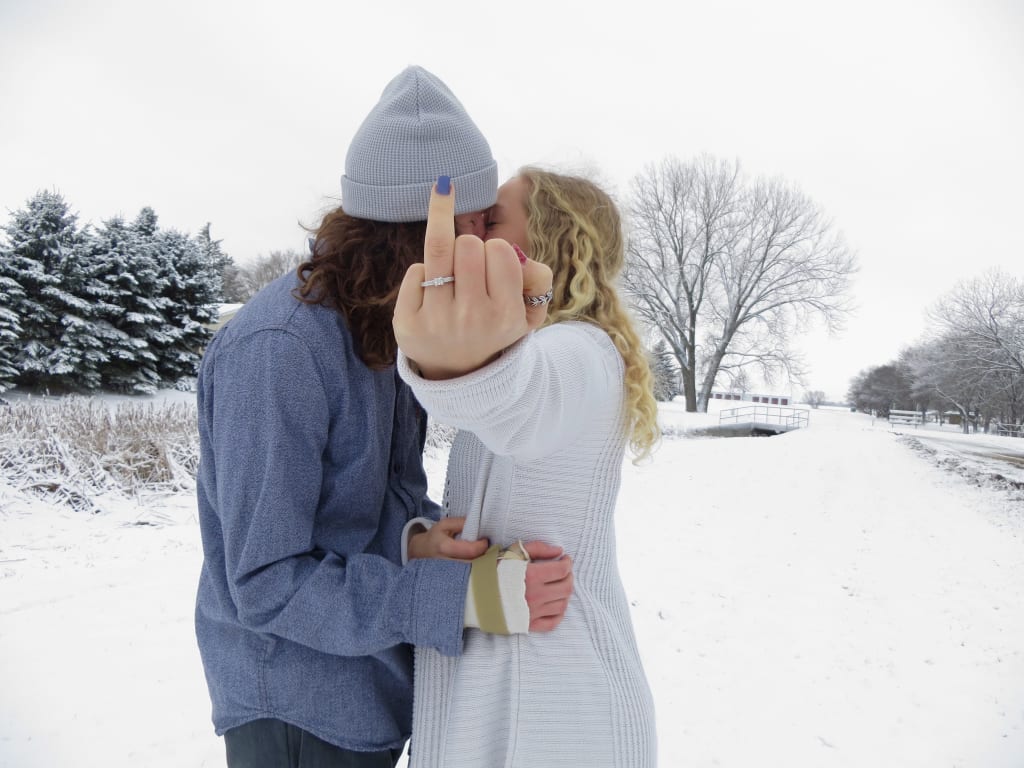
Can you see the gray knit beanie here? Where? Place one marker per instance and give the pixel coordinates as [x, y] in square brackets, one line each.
[417, 132]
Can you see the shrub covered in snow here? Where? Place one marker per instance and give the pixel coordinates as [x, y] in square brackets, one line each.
[439, 436]
[76, 449]
[73, 450]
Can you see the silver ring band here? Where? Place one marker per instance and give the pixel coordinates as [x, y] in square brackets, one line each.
[536, 301]
[438, 281]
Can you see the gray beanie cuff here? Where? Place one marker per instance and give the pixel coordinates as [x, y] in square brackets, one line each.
[473, 192]
[417, 131]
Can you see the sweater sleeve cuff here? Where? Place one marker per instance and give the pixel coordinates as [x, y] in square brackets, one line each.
[465, 399]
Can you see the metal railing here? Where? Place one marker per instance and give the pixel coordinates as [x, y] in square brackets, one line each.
[1009, 430]
[791, 418]
[912, 418]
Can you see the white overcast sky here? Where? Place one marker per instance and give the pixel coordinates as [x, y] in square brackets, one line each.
[904, 120]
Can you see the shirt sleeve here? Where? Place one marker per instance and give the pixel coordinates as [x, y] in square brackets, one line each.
[265, 434]
[536, 398]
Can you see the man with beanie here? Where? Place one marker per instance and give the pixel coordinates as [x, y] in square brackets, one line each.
[311, 468]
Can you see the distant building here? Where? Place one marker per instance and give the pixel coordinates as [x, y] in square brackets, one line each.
[725, 396]
[758, 398]
[224, 313]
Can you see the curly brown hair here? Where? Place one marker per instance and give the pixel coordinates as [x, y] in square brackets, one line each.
[356, 268]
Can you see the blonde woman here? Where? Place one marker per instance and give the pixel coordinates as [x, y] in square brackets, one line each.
[544, 427]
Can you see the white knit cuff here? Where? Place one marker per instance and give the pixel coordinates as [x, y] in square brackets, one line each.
[511, 592]
[411, 528]
[512, 582]
[466, 399]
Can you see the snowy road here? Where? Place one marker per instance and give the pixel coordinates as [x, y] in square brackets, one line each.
[986, 453]
[1010, 450]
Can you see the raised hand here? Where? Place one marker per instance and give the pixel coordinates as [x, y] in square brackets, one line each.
[464, 304]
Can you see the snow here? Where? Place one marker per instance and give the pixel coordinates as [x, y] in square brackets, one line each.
[835, 596]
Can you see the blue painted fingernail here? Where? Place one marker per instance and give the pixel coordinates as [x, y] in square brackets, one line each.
[444, 185]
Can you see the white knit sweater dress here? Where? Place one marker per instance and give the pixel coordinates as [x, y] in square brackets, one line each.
[539, 457]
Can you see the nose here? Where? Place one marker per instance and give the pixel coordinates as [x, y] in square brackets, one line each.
[471, 224]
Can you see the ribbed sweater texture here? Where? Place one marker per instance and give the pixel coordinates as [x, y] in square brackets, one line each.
[539, 457]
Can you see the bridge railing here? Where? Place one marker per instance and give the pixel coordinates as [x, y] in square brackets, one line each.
[791, 418]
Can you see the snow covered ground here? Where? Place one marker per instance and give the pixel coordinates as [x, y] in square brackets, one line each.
[831, 597]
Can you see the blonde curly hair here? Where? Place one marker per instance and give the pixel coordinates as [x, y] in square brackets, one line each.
[574, 227]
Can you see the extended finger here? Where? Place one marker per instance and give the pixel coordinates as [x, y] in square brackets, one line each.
[504, 271]
[439, 243]
[470, 266]
[450, 527]
[458, 549]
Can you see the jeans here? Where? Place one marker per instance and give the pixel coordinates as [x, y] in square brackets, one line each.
[276, 744]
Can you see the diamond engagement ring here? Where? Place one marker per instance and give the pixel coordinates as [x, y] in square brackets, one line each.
[536, 301]
[438, 281]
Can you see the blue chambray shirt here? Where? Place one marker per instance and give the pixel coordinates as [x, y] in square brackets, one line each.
[310, 466]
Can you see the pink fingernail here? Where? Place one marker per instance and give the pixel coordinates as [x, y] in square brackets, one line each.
[519, 253]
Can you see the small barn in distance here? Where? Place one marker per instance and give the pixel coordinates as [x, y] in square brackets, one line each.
[758, 398]
[224, 313]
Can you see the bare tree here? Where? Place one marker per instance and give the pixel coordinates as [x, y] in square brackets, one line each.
[728, 271]
[814, 397]
[987, 316]
[739, 382]
[976, 361]
[682, 216]
[234, 283]
[265, 269]
[939, 375]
